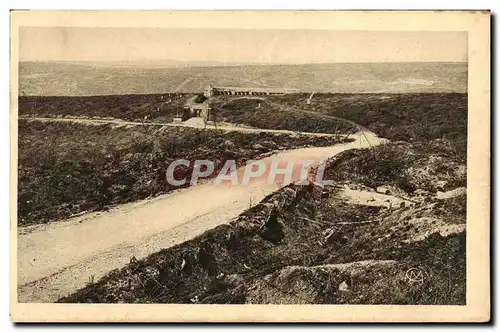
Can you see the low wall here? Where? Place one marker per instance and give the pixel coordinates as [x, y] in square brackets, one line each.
[214, 91]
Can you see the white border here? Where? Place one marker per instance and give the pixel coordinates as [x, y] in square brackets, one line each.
[186, 4]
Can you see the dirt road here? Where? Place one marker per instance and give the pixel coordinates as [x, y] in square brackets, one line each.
[60, 257]
[223, 127]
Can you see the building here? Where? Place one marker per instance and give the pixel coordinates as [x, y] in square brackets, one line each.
[211, 91]
[193, 110]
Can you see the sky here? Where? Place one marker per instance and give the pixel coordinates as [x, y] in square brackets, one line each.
[238, 46]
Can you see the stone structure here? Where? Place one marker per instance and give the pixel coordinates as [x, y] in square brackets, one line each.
[193, 110]
[211, 91]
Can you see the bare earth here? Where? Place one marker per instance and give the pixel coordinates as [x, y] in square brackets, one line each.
[224, 127]
[61, 257]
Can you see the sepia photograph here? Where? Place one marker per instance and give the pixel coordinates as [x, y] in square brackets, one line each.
[199, 161]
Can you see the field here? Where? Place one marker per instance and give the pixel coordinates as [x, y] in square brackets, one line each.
[406, 117]
[90, 79]
[390, 230]
[262, 113]
[160, 107]
[398, 117]
[69, 168]
[420, 117]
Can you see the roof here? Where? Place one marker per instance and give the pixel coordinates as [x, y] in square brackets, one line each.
[261, 89]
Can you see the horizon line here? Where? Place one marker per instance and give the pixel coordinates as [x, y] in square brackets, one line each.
[215, 63]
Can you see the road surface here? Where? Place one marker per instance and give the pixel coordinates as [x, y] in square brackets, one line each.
[60, 257]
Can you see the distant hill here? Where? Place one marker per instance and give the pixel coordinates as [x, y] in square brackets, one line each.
[82, 79]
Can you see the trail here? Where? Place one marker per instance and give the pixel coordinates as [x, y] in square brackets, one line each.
[60, 257]
[161, 124]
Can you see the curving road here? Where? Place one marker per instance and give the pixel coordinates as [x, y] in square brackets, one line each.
[60, 257]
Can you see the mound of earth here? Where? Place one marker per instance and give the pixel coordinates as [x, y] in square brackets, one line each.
[409, 167]
[315, 284]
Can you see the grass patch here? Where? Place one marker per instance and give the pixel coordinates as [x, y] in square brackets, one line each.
[411, 117]
[262, 113]
[431, 167]
[157, 107]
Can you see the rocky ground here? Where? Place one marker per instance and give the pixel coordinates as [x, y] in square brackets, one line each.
[354, 242]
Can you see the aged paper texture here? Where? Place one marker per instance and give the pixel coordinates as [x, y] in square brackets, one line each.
[250, 166]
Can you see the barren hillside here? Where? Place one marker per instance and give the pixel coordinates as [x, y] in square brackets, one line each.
[85, 79]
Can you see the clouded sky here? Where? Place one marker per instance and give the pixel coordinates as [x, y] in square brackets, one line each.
[231, 45]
